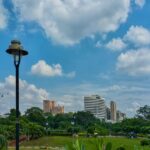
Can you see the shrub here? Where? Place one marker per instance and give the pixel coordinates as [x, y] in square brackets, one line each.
[3, 142]
[120, 148]
[59, 133]
[145, 142]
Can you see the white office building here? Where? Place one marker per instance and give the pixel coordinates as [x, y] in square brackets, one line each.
[96, 105]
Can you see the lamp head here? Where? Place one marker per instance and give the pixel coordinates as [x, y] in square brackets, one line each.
[16, 49]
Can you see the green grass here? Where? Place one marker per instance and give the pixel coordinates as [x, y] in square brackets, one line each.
[90, 143]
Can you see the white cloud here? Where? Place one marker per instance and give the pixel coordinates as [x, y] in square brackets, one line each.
[70, 74]
[138, 35]
[126, 95]
[68, 21]
[3, 16]
[140, 3]
[72, 103]
[41, 68]
[99, 44]
[30, 95]
[133, 108]
[135, 62]
[116, 44]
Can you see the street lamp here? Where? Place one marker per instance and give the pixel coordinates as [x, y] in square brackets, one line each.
[73, 124]
[16, 50]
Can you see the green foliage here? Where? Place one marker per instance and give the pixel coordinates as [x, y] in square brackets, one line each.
[90, 130]
[120, 148]
[59, 133]
[108, 146]
[144, 112]
[85, 119]
[35, 115]
[36, 122]
[137, 125]
[35, 131]
[12, 114]
[101, 130]
[78, 145]
[3, 143]
[73, 130]
[145, 142]
[100, 145]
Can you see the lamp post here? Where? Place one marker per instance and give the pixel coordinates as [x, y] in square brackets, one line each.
[16, 50]
[73, 123]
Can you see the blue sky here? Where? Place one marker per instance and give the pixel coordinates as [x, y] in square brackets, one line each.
[77, 48]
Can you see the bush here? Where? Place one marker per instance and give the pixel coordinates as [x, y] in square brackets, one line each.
[59, 133]
[145, 142]
[3, 143]
[120, 148]
[83, 134]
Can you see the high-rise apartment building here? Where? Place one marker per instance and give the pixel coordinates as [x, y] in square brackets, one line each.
[96, 105]
[113, 111]
[50, 106]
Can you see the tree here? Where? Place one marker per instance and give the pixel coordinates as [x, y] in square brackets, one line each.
[35, 115]
[91, 130]
[34, 130]
[12, 114]
[62, 121]
[144, 112]
[84, 119]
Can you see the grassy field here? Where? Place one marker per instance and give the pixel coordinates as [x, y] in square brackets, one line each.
[89, 143]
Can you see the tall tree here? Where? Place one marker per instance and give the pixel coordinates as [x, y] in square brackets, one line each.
[35, 115]
[12, 114]
[84, 119]
[144, 112]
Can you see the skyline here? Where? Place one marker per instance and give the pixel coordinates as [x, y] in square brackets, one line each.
[77, 48]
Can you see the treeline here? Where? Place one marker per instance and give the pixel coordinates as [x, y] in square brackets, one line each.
[35, 123]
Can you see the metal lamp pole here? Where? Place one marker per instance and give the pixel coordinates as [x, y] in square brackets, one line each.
[17, 51]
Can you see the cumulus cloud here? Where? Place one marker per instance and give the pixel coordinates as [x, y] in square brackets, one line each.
[140, 3]
[116, 44]
[138, 35]
[68, 21]
[41, 68]
[3, 16]
[30, 95]
[135, 62]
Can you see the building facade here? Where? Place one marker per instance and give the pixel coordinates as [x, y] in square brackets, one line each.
[50, 106]
[96, 105]
[108, 113]
[113, 111]
[120, 116]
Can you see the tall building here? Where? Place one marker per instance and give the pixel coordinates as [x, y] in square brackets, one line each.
[50, 106]
[108, 114]
[120, 116]
[96, 105]
[113, 111]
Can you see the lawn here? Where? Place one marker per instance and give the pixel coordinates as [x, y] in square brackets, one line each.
[89, 143]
